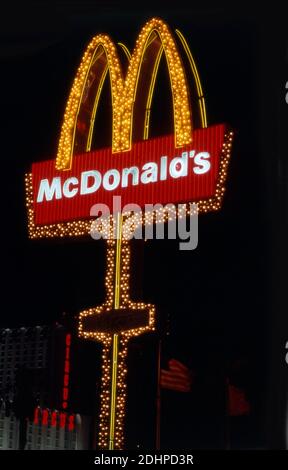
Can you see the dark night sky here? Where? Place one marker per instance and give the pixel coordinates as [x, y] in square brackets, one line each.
[40, 59]
[220, 291]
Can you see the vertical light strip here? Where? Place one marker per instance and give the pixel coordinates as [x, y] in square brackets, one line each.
[95, 107]
[113, 391]
[126, 50]
[115, 343]
[150, 94]
[118, 261]
[201, 99]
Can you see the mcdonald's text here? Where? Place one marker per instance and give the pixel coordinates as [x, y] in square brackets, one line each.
[153, 171]
[91, 180]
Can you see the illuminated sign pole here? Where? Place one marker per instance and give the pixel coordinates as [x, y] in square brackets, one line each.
[186, 168]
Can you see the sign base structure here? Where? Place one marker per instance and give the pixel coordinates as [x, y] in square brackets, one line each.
[113, 323]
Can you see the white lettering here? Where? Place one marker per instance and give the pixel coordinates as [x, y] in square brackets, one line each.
[107, 184]
[179, 166]
[67, 192]
[134, 171]
[49, 191]
[202, 162]
[163, 169]
[85, 188]
[150, 173]
[90, 181]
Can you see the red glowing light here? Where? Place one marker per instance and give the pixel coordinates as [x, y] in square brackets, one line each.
[54, 418]
[62, 420]
[66, 378]
[71, 423]
[36, 416]
[45, 415]
[68, 339]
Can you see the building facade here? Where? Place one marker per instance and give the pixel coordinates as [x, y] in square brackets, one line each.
[35, 376]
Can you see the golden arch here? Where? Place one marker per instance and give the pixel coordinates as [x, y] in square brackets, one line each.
[100, 57]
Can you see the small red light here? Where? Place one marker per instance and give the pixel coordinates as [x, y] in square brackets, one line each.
[71, 423]
[54, 418]
[36, 416]
[68, 339]
[238, 403]
[65, 394]
[62, 420]
[67, 367]
[45, 415]
[66, 377]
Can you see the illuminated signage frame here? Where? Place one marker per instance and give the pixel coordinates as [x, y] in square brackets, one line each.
[99, 59]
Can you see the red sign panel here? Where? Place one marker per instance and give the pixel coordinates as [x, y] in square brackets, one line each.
[152, 172]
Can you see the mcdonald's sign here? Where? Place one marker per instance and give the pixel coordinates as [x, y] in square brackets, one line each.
[189, 166]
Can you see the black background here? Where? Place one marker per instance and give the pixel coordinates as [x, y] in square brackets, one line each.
[222, 302]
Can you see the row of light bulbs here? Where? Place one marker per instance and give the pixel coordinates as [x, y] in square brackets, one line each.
[106, 339]
[123, 91]
[84, 227]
